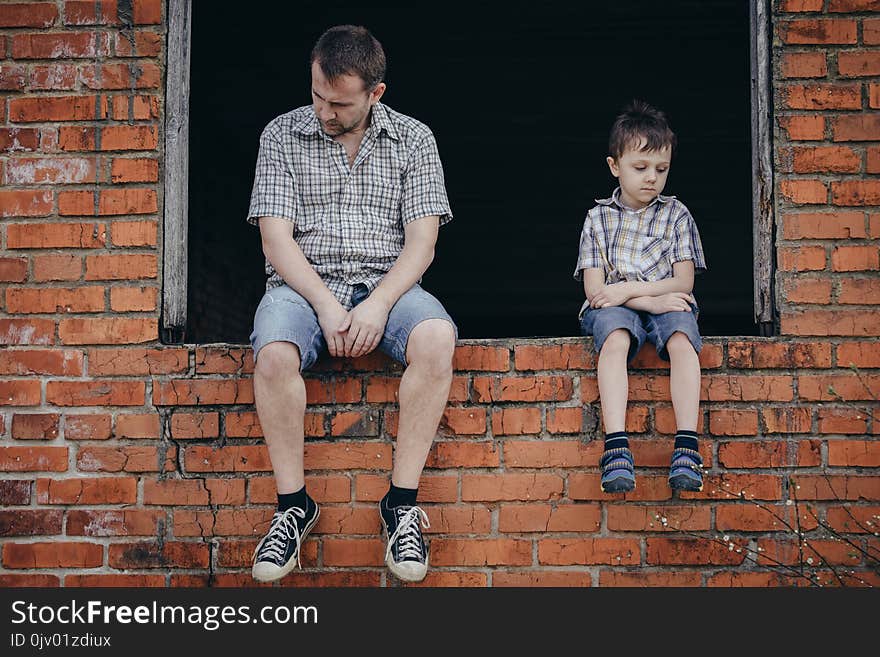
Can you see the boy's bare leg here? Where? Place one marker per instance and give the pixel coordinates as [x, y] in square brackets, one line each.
[280, 396]
[684, 381]
[613, 380]
[424, 391]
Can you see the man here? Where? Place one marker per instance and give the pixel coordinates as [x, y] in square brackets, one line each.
[348, 195]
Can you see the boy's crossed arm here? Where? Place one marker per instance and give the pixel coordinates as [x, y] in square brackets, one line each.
[667, 295]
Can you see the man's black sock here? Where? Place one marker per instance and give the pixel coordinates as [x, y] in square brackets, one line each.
[401, 496]
[297, 499]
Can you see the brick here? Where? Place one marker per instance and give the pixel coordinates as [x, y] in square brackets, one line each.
[829, 322]
[522, 388]
[551, 454]
[459, 519]
[26, 331]
[33, 459]
[30, 523]
[855, 258]
[13, 270]
[516, 421]
[626, 518]
[731, 579]
[65, 362]
[565, 420]
[853, 519]
[778, 355]
[804, 65]
[729, 486]
[83, 426]
[55, 300]
[463, 422]
[873, 103]
[801, 127]
[130, 361]
[339, 390]
[146, 44]
[458, 454]
[808, 290]
[255, 458]
[818, 31]
[20, 393]
[649, 579]
[746, 388]
[133, 299]
[170, 554]
[859, 453]
[355, 552]
[38, 581]
[690, 552]
[553, 357]
[831, 159]
[115, 522]
[15, 492]
[55, 554]
[856, 127]
[856, 192]
[591, 551]
[78, 138]
[195, 425]
[60, 45]
[801, 258]
[510, 487]
[52, 77]
[754, 454]
[35, 426]
[12, 78]
[354, 423]
[858, 64]
[323, 488]
[59, 236]
[127, 201]
[103, 490]
[113, 580]
[871, 31]
[130, 138]
[118, 459]
[521, 518]
[114, 330]
[732, 422]
[852, 5]
[804, 192]
[824, 225]
[180, 392]
[824, 96]
[31, 171]
[137, 425]
[224, 360]
[95, 393]
[541, 578]
[789, 552]
[858, 354]
[56, 108]
[859, 291]
[28, 14]
[144, 75]
[481, 552]
[800, 5]
[19, 139]
[25, 203]
[847, 386]
[747, 518]
[477, 357]
[64, 267]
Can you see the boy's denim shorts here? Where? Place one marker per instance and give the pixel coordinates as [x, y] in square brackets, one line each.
[642, 326]
[285, 316]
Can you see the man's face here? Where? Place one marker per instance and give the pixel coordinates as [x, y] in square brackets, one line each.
[342, 105]
[641, 174]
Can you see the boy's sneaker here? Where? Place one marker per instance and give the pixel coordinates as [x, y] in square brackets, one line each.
[618, 472]
[686, 471]
[278, 552]
[406, 554]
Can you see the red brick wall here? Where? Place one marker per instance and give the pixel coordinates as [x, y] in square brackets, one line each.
[128, 462]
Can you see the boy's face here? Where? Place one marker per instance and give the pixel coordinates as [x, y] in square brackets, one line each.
[641, 174]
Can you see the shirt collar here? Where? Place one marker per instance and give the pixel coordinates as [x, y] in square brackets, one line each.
[614, 199]
[378, 121]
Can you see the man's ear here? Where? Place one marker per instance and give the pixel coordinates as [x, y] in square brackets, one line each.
[612, 164]
[377, 92]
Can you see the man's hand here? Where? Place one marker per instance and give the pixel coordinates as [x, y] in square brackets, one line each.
[365, 324]
[331, 320]
[674, 301]
[615, 294]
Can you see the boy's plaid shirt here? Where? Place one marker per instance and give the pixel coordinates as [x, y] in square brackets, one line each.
[638, 245]
[348, 221]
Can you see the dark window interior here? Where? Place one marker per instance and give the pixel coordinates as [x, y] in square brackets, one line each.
[520, 96]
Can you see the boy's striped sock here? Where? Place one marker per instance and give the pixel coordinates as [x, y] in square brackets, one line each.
[686, 439]
[616, 439]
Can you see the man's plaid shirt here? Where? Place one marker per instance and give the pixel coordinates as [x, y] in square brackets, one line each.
[638, 245]
[348, 221]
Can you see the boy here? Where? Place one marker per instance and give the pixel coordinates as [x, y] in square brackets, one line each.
[639, 252]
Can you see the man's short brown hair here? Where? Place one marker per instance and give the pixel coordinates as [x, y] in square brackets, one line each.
[352, 50]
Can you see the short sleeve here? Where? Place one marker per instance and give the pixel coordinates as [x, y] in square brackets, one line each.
[424, 189]
[273, 194]
[686, 243]
[589, 256]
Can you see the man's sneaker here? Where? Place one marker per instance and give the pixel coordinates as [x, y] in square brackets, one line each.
[278, 553]
[618, 473]
[686, 471]
[406, 554]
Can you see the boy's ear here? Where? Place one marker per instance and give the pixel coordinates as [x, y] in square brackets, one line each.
[612, 164]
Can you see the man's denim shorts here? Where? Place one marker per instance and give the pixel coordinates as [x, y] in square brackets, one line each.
[285, 316]
[642, 326]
